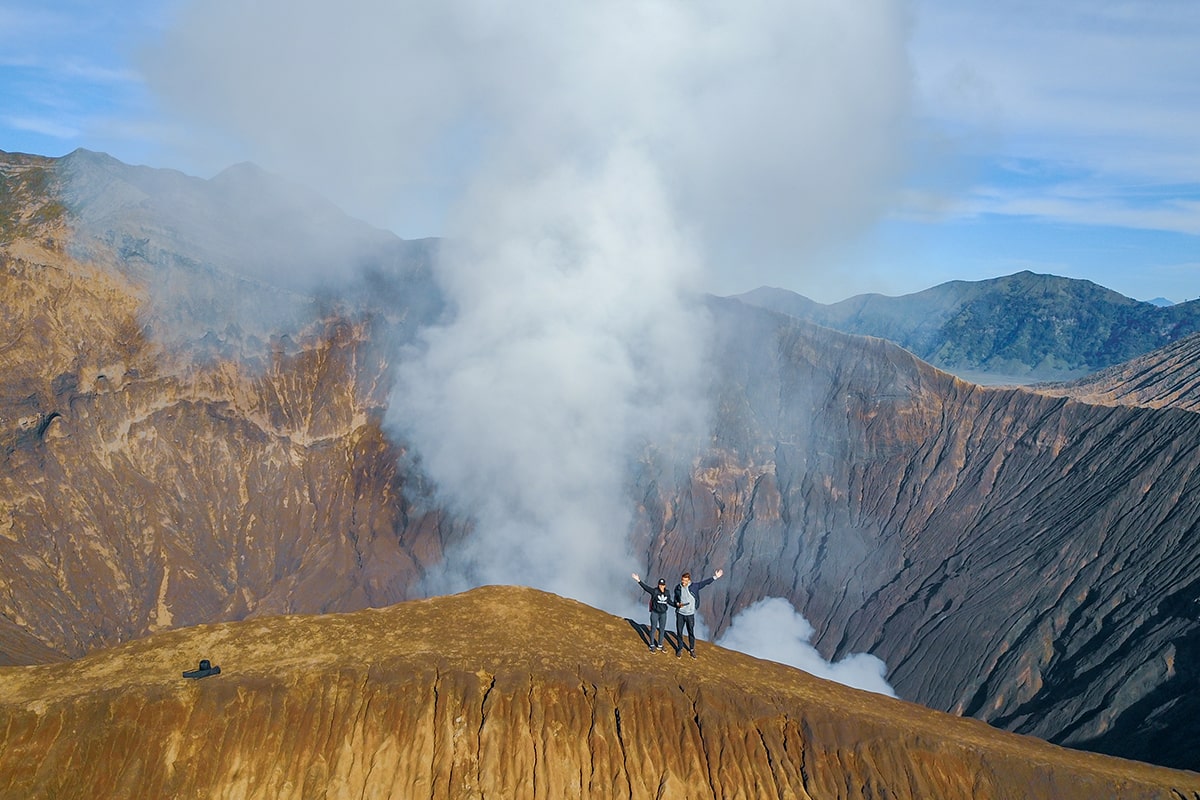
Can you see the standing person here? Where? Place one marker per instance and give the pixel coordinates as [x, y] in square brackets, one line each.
[660, 601]
[687, 595]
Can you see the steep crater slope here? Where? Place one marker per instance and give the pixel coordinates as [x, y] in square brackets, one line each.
[1168, 377]
[134, 499]
[1024, 559]
[420, 700]
[151, 481]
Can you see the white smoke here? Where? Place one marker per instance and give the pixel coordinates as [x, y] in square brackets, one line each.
[776, 129]
[774, 630]
[572, 347]
[594, 164]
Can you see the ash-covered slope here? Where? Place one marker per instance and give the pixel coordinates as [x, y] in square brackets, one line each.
[499, 692]
[1024, 559]
[1162, 378]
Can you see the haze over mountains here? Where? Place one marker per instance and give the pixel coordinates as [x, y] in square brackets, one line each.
[187, 441]
[1017, 329]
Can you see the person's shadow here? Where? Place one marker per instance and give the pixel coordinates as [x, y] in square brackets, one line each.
[643, 632]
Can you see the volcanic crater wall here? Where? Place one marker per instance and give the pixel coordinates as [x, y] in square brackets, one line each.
[1021, 558]
[137, 494]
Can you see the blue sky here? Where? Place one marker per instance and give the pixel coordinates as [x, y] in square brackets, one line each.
[1062, 138]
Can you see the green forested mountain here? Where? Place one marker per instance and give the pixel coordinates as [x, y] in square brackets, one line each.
[1023, 327]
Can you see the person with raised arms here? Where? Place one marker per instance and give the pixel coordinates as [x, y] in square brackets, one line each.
[685, 599]
[660, 601]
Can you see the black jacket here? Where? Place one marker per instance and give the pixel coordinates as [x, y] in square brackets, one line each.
[659, 601]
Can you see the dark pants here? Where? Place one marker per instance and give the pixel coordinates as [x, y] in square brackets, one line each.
[658, 627]
[686, 621]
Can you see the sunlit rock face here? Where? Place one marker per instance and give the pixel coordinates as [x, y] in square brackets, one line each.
[422, 700]
[150, 482]
[168, 459]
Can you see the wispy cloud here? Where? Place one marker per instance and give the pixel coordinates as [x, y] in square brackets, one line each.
[1090, 70]
[95, 73]
[1102, 98]
[66, 77]
[1174, 215]
[41, 125]
[1168, 208]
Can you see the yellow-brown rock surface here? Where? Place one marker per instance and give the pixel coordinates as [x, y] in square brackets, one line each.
[145, 485]
[498, 692]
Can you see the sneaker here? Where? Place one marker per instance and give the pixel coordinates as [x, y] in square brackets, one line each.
[679, 653]
[693, 652]
[651, 648]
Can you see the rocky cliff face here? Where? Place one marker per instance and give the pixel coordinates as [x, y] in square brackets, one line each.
[146, 487]
[476, 696]
[167, 460]
[1024, 559]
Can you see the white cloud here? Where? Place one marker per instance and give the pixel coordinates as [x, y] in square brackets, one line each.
[1107, 92]
[78, 69]
[41, 125]
[773, 630]
[1070, 203]
[1175, 215]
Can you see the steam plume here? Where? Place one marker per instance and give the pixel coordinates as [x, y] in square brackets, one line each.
[595, 164]
[573, 347]
[774, 630]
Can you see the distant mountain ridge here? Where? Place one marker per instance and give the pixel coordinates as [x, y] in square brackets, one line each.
[1020, 328]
